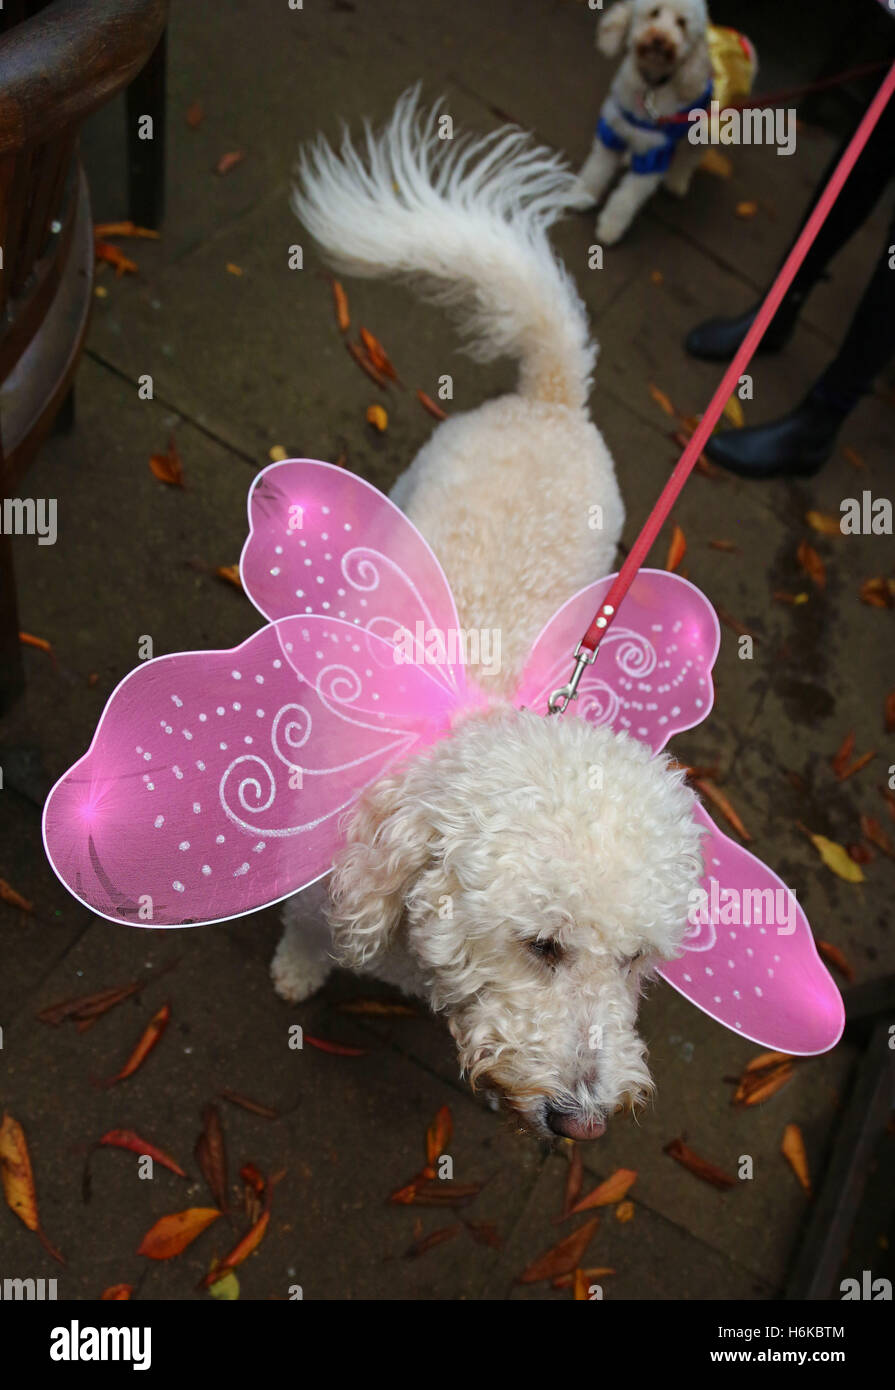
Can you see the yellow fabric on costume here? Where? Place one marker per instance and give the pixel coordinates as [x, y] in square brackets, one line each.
[734, 64]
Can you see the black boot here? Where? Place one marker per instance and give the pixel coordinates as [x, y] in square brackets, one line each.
[717, 340]
[797, 445]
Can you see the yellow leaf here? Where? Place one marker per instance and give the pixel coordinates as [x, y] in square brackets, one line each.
[15, 1170]
[746, 211]
[624, 1211]
[714, 162]
[838, 859]
[377, 417]
[822, 522]
[226, 1288]
[733, 412]
[277, 454]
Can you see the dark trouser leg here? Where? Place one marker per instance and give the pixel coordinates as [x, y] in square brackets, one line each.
[718, 339]
[802, 441]
[869, 343]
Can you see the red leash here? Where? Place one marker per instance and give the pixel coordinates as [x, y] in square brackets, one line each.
[586, 651]
[774, 98]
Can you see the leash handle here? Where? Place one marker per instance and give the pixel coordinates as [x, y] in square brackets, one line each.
[586, 651]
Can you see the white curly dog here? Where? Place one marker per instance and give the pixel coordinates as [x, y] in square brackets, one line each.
[560, 899]
[666, 71]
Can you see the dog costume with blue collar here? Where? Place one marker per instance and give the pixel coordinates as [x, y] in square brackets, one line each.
[656, 160]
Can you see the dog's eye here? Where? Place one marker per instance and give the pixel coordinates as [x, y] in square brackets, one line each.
[546, 948]
[682, 22]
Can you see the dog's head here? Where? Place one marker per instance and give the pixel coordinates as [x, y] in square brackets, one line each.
[660, 35]
[535, 869]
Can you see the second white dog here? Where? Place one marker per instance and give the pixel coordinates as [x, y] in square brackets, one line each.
[666, 71]
[484, 873]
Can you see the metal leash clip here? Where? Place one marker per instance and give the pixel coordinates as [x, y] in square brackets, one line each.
[568, 692]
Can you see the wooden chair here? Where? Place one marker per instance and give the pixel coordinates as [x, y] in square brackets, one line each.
[58, 62]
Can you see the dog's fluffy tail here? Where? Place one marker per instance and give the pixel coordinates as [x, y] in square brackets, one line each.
[467, 218]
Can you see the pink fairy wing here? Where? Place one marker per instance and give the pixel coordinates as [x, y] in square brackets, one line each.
[323, 541]
[215, 781]
[750, 960]
[652, 676]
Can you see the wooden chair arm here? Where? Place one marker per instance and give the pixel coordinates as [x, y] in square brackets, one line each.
[67, 60]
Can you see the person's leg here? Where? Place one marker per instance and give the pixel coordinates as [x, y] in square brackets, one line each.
[718, 339]
[801, 442]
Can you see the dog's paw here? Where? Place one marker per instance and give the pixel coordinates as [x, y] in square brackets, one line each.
[581, 198]
[677, 182]
[296, 979]
[611, 227]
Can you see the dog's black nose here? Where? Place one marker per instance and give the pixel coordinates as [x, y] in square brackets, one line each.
[571, 1125]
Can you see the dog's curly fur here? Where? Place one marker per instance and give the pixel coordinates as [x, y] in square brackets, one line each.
[486, 874]
[666, 67]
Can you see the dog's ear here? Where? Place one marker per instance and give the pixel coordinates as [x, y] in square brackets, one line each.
[387, 847]
[612, 30]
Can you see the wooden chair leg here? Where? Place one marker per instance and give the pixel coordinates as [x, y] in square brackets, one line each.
[146, 158]
[12, 672]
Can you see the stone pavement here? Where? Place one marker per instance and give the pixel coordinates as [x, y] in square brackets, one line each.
[245, 362]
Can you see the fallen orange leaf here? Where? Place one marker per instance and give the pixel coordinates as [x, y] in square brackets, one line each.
[889, 712]
[746, 210]
[366, 365]
[378, 355]
[116, 1293]
[717, 797]
[757, 1086]
[812, 564]
[841, 758]
[873, 831]
[231, 574]
[624, 1212]
[661, 400]
[699, 1167]
[340, 300]
[428, 404]
[172, 1234]
[168, 468]
[676, 550]
[836, 958]
[135, 1143]
[878, 593]
[336, 1048]
[113, 255]
[562, 1258]
[438, 1135]
[9, 895]
[377, 417]
[148, 1039]
[793, 1150]
[41, 643]
[229, 161]
[194, 114]
[104, 229]
[210, 1153]
[609, 1192]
